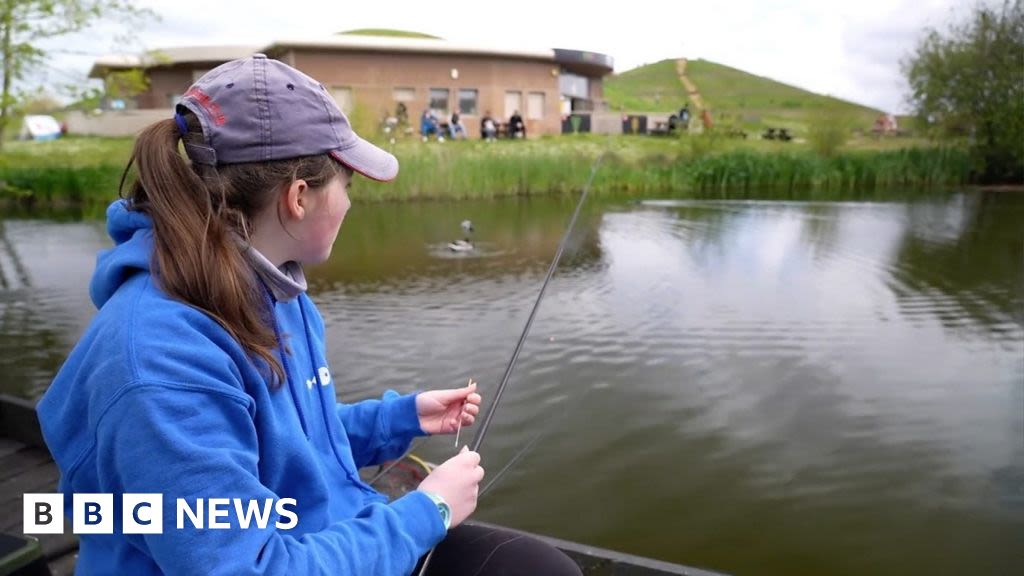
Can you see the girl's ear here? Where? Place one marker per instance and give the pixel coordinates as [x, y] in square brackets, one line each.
[296, 199]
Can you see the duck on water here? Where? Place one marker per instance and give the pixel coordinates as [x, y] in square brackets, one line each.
[464, 245]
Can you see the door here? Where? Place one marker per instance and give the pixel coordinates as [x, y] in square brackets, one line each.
[513, 103]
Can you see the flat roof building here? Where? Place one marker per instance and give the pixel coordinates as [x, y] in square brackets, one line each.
[372, 75]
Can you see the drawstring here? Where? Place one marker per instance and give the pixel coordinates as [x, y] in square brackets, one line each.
[316, 374]
[271, 301]
[309, 343]
[329, 415]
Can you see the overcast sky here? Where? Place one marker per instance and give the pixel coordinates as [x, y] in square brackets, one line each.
[849, 49]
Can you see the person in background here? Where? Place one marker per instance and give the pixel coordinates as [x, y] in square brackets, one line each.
[455, 126]
[516, 127]
[428, 125]
[402, 115]
[684, 118]
[488, 128]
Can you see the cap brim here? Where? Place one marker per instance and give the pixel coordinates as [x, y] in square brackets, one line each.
[368, 160]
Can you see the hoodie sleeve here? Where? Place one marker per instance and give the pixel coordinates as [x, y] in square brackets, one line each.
[380, 430]
[196, 443]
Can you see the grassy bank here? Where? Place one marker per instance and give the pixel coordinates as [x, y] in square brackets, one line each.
[79, 171]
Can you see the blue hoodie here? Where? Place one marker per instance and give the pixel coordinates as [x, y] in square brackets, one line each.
[157, 397]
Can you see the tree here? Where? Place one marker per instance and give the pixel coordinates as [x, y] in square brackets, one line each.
[39, 102]
[24, 24]
[969, 81]
[124, 84]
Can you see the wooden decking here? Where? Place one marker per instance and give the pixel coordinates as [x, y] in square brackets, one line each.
[27, 469]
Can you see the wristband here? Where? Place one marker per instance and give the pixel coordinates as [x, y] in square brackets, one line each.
[442, 507]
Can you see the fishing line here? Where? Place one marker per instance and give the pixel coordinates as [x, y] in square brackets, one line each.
[577, 402]
[512, 462]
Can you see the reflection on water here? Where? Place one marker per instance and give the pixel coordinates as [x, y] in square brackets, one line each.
[45, 267]
[477, 250]
[755, 387]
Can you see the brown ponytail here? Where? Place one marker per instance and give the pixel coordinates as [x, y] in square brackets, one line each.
[197, 210]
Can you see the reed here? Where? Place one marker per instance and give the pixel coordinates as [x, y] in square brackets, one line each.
[87, 170]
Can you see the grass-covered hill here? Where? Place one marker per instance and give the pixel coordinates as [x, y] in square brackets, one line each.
[387, 32]
[733, 96]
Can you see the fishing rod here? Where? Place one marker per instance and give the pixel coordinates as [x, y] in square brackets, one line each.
[481, 432]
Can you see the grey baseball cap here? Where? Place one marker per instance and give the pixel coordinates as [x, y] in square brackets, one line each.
[257, 109]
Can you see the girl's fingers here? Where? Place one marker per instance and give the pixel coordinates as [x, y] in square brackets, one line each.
[472, 409]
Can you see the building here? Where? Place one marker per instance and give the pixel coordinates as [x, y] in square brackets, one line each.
[369, 76]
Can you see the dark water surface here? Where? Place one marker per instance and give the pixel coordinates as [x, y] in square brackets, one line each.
[752, 387]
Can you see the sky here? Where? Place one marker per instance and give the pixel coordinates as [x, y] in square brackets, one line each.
[848, 49]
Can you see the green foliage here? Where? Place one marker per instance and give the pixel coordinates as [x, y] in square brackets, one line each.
[67, 171]
[86, 171]
[364, 122]
[704, 143]
[86, 98]
[968, 80]
[39, 102]
[26, 25]
[125, 84]
[743, 173]
[829, 130]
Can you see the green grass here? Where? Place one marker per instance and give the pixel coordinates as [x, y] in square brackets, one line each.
[67, 171]
[734, 97]
[387, 32]
[651, 88]
[86, 171]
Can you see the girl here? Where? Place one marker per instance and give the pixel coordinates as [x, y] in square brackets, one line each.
[203, 376]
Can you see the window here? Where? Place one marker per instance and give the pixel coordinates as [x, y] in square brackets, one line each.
[574, 85]
[343, 97]
[439, 100]
[404, 94]
[535, 106]
[513, 102]
[467, 101]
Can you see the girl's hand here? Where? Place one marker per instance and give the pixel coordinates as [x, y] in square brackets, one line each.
[458, 482]
[440, 411]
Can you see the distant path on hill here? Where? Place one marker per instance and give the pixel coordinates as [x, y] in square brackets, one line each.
[691, 88]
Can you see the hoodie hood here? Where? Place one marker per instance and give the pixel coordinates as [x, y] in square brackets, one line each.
[132, 233]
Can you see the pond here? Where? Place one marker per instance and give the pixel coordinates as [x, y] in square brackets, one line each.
[752, 387]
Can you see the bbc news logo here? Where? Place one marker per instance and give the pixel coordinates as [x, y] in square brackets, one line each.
[144, 513]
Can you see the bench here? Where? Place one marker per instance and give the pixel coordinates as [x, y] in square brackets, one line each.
[660, 128]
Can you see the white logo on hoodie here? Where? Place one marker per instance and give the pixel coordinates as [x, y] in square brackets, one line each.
[325, 378]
